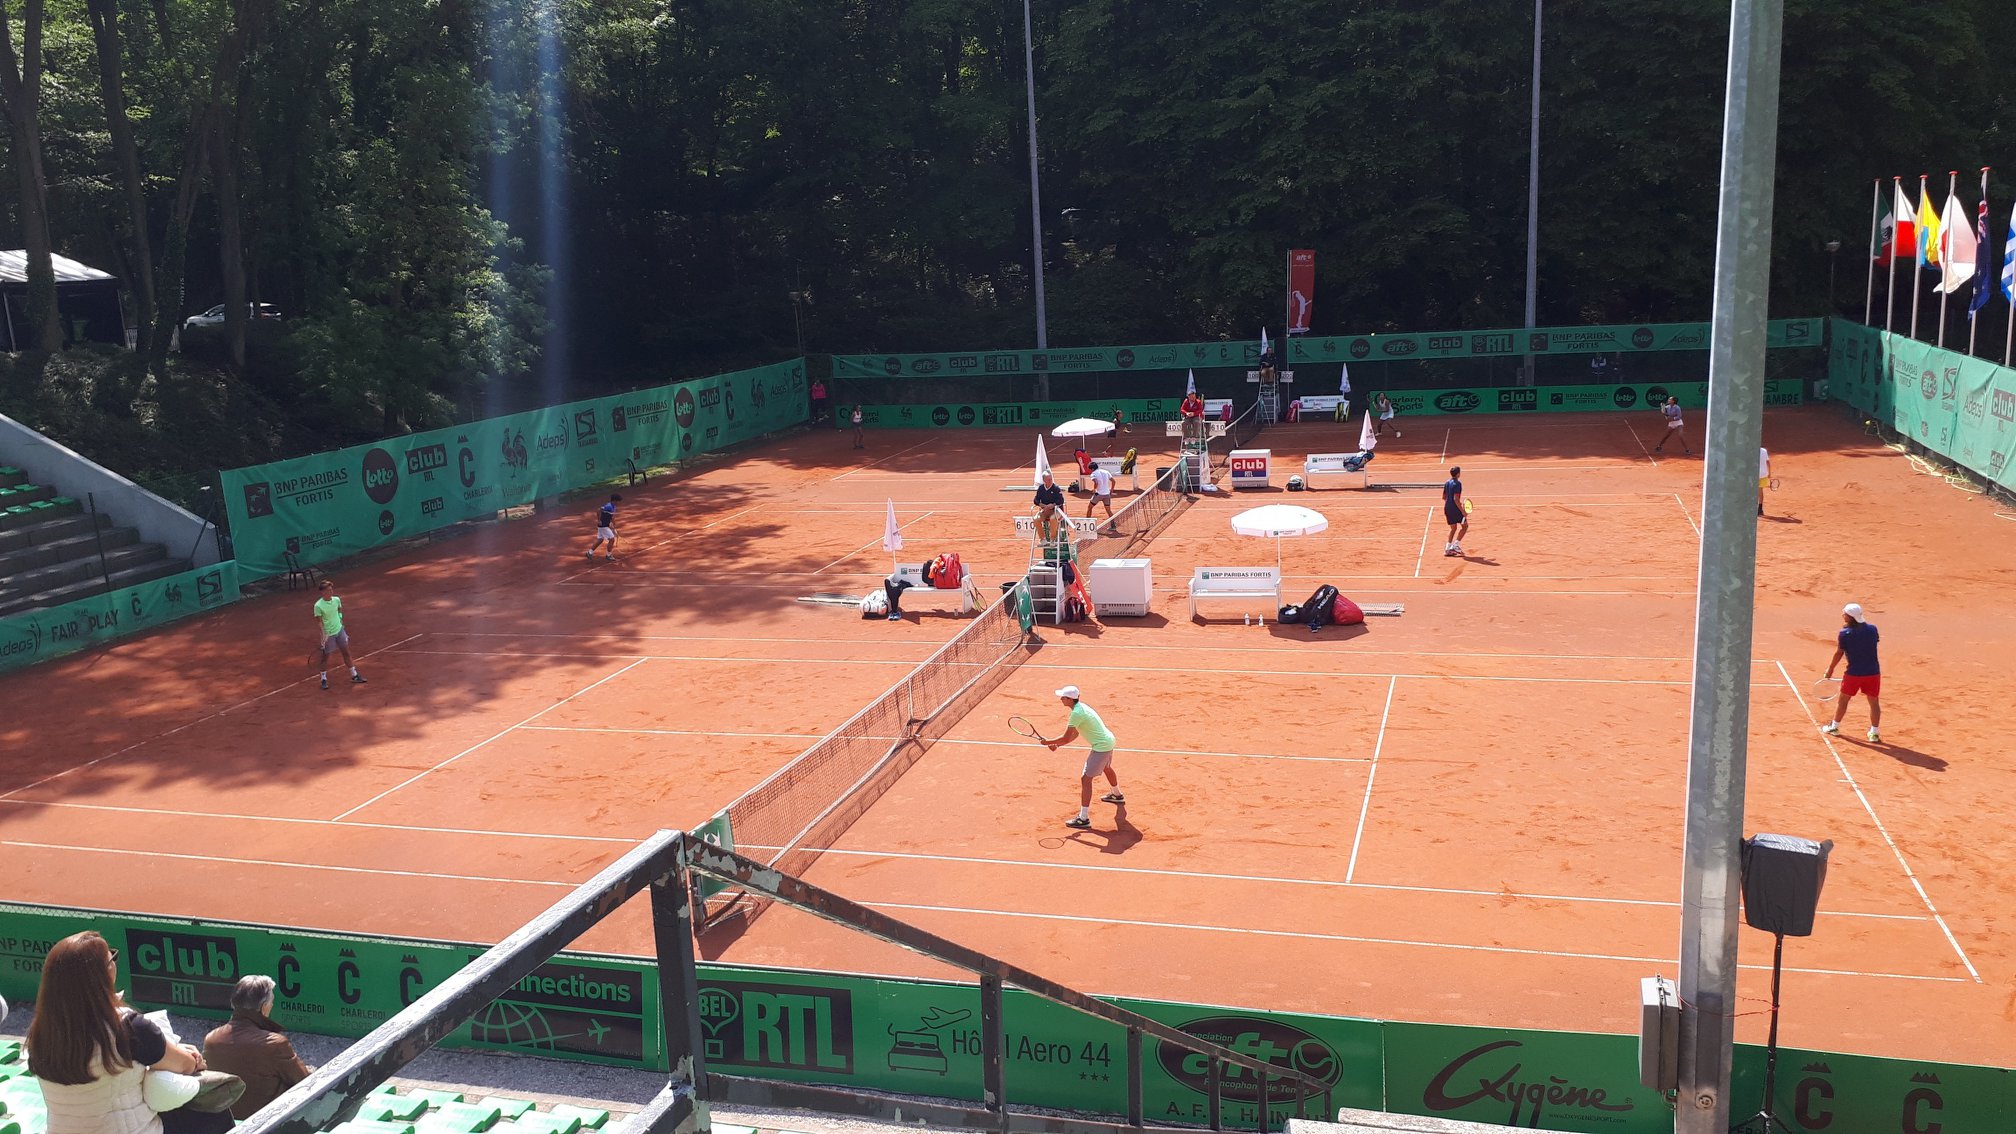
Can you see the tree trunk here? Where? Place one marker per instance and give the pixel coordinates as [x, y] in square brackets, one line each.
[21, 102]
[111, 67]
[230, 231]
[175, 244]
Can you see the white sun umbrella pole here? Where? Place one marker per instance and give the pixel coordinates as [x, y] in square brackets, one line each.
[892, 536]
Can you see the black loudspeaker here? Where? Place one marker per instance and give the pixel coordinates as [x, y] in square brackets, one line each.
[1782, 876]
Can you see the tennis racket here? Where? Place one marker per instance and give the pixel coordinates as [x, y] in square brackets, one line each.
[1021, 724]
[1467, 506]
[1826, 689]
[1774, 482]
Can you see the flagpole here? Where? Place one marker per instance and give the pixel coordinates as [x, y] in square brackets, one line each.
[1890, 289]
[1919, 260]
[1875, 224]
[1945, 251]
[1980, 265]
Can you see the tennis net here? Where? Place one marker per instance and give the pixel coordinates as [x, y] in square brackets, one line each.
[1140, 519]
[796, 813]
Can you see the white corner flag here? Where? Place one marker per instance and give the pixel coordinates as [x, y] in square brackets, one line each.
[1344, 380]
[1042, 462]
[892, 535]
[1192, 387]
[1367, 440]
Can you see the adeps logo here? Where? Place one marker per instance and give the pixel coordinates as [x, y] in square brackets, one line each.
[1271, 1041]
[381, 476]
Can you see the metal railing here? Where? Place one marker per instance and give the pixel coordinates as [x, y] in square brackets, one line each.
[667, 864]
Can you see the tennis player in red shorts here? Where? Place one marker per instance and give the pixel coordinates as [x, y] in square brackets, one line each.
[1857, 643]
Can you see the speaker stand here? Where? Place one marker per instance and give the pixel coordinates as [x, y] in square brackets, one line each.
[1764, 1122]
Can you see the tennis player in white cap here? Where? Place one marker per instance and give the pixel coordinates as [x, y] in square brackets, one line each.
[1857, 643]
[1086, 723]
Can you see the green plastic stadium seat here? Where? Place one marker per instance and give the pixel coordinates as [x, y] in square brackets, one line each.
[457, 1118]
[540, 1122]
[432, 1097]
[385, 1089]
[392, 1108]
[592, 1119]
[366, 1126]
[9, 1126]
[10, 1051]
[508, 1109]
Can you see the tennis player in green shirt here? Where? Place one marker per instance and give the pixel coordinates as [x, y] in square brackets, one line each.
[329, 616]
[1086, 723]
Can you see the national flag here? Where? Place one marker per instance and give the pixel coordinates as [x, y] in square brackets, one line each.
[1982, 288]
[1344, 380]
[1192, 387]
[1905, 239]
[1928, 229]
[1888, 249]
[2009, 261]
[1042, 461]
[1367, 440]
[892, 533]
[1956, 247]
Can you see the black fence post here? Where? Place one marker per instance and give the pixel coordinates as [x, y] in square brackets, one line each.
[993, 1086]
[1214, 1087]
[672, 896]
[98, 533]
[1264, 1116]
[1134, 1077]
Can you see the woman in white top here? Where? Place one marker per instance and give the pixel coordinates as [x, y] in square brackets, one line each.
[1763, 476]
[89, 1051]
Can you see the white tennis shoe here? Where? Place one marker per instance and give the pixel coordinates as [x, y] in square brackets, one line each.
[1831, 728]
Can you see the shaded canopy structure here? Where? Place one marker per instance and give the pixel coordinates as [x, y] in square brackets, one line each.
[87, 301]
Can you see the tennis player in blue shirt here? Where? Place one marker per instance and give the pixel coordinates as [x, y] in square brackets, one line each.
[1857, 643]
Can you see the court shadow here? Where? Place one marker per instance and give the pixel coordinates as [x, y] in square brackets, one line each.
[1299, 632]
[1782, 519]
[1900, 753]
[1118, 841]
[1480, 560]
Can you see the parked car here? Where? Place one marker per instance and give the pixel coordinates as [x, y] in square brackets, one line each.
[215, 316]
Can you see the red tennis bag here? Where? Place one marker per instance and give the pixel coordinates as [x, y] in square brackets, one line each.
[1344, 612]
[946, 572]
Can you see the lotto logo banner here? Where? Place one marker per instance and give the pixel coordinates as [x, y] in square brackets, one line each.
[1961, 407]
[335, 504]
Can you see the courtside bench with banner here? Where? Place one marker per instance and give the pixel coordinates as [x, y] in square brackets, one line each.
[966, 595]
[1129, 479]
[1248, 583]
[1310, 407]
[1334, 464]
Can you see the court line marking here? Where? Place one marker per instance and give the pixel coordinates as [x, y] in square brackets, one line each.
[1427, 526]
[871, 543]
[1160, 751]
[159, 854]
[190, 724]
[1250, 674]
[1371, 774]
[657, 657]
[681, 732]
[236, 818]
[1355, 940]
[1870, 808]
[879, 460]
[1689, 513]
[1321, 883]
[1641, 443]
[417, 777]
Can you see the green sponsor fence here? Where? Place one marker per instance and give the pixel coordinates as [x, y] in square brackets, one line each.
[1959, 406]
[1642, 396]
[338, 503]
[43, 634]
[923, 1037]
[1622, 338]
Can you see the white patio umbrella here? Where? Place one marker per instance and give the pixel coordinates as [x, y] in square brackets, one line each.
[892, 536]
[1042, 462]
[1367, 440]
[1082, 427]
[1279, 520]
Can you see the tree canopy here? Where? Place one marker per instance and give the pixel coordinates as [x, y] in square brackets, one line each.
[446, 195]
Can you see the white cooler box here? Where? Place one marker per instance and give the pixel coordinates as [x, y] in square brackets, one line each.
[1120, 586]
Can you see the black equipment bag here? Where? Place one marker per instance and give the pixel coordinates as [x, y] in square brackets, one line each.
[1320, 609]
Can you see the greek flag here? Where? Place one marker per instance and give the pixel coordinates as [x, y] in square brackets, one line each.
[2009, 261]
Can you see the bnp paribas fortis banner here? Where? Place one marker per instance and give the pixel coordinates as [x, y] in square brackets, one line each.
[924, 1037]
[335, 504]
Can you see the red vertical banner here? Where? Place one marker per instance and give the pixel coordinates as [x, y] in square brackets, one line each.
[1301, 289]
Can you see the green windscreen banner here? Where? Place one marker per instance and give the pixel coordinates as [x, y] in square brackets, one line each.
[1623, 338]
[339, 503]
[54, 631]
[1959, 406]
[923, 1037]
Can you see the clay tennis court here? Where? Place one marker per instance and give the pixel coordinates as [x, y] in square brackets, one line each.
[1467, 814]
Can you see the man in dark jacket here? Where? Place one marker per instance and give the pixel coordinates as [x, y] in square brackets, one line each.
[254, 1048]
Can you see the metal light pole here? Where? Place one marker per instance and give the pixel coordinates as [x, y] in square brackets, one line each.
[1533, 198]
[1719, 718]
[1035, 202]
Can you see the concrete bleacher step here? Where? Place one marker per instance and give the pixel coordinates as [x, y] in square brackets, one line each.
[85, 545]
[128, 576]
[17, 512]
[11, 477]
[52, 576]
[49, 531]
